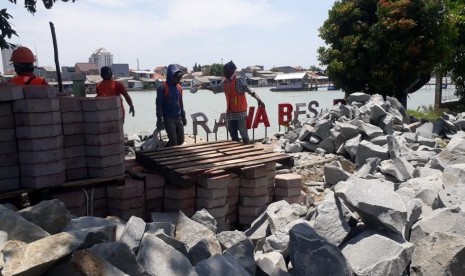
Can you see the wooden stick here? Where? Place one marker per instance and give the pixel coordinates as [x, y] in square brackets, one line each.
[57, 63]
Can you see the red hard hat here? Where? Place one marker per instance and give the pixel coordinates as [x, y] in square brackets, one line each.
[22, 55]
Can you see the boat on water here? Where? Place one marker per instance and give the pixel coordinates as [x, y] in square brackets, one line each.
[300, 81]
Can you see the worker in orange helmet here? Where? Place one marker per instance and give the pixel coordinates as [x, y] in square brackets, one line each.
[23, 62]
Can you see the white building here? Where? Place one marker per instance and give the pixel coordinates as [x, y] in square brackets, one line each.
[6, 56]
[101, 57]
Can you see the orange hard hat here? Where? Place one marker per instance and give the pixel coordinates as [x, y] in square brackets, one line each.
[22, 55]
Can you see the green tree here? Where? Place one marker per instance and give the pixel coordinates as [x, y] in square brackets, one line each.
[457, 63]
[215, 69]
[387, 47]
[5, 27]
[315, 68]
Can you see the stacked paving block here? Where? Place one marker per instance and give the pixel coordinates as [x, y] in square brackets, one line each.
[40, 140]
[233, 200]
[180, 198]
[126, 200]
[9, 162]
[104, 136]
[75, 201]
[99, 203]
[212, 192]
[253, 193]
[154, 192]
[288, 187]
[271, 174]
[72, 118]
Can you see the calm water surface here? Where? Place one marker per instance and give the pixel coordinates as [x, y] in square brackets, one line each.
[212, 105]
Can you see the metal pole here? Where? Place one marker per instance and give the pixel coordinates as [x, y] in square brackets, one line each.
[57, 63]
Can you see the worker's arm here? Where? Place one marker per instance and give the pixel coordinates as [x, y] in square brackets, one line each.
[128, 99]
[159, 107]
[214, 88]
[246, 88]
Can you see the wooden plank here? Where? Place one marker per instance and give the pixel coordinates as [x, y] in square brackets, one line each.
[206, 150]
[15, 193]
[227, 161]
[181, 160]
[188, 147]
[213, 160]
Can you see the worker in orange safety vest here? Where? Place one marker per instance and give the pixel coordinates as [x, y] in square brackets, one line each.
[23, 61]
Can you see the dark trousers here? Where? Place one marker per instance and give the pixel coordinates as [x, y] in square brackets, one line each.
[235, 126]
[175, 131]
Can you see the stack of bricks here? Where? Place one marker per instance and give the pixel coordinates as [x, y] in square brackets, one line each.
[75, 201]
[253, 193]
[233, 200]
[271, 174]
[180, 199]
[154, 192]
[126, 200]
[72, 117]
[212, 192]
[40, 139]
[288, 187]
[9, 164]
[99, 203]
[104, 136]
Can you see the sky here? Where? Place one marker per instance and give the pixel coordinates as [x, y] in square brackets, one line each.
[152, 33]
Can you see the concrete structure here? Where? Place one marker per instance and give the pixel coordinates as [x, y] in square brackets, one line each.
[101, 57]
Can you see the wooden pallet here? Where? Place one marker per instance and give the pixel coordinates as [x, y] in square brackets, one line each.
[183, 164]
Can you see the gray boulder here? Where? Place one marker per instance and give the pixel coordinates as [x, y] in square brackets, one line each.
[367, 150]
[120, 255]
[272, 264]
[191, 232]
[50, 215]
[18, 228]
[220, 265]
[204, 249]
[206, 219]
[454, 174]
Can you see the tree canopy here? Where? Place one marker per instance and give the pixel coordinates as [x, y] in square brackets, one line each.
[457, 64]
[215, 69]
[384, 46]
[5, 17]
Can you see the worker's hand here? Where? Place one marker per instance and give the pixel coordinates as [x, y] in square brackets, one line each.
[184, 121]
[261, 103]
[160, 124]
[132, 111]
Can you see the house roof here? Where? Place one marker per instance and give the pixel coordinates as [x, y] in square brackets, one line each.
[85, 66]
[290, 76]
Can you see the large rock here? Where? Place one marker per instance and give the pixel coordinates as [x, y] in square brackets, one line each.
[87, 263]
[398, 167]
[367, 150]
[454, 153]
[120, 255]
[272, 264]
[381, 255]
[453, 196]
[278, 242]
[206, 219]
[220, 265]
[454, 174]
[312, 255]
[424, 188]
[133, 232]
[38, 256]
[50, 215]
[335, 173]
[19, 228]
[279, 215]
[204, 249]
[230, 238]
[242, 253]
[190, 232]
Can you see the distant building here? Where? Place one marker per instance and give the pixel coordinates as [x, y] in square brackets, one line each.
[120, 70]
[47, 72]
[6, 56]
[87, 68]
[101, 57]
[288, 69]
[162, 70]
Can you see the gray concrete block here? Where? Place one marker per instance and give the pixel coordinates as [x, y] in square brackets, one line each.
[43, 156]
[101, 103]
[6, 109]
[106, 172]
[76, 151]
[9, 184]
[154, 193]
[37, 182]
[9, 172]
[72, 117]
[76, 162]
[106, 161]
[9, 159]
[7, 121]
[105, 150]
[180, 193]
[254, 182]
[41, 169]
[74, 140]
[40, 143]
[10, 93]
[104, 139]
[76, 174]
[211, 193]
[32, 132]
[286, 192]
[7, 135]
[39, 92]
[73, 129]
[253, 192]
[70, 104]
[8, 147]
[36, 105]
[103, 116]
[215, 182]
[37, 118]
[106, 127]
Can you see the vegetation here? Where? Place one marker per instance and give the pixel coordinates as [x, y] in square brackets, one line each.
[5, 27]
[197, 67]
[215, 69]
[427, 113]
[385, 47]
[457, 64]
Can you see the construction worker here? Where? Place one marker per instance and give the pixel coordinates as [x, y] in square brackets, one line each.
[23, 61]
[109, 87]
[234, 88]
[170, 108]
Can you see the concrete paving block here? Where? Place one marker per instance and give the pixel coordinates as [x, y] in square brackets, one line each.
[271, 174]
[290, 199]
[250, 211]
[127, 214]
[218, 212]
[6, 109]
[100, 203]
[105, 127]
[105, 150]
[270, 182]
[211, 193]
[43, 156]
[8, 147]
[71, 199]
[215, 182]
[270, 166]
[103, 116]
[254, 201]
[234, 182]
[70, 104]
[232, 200]
[180, 193]
[32, 132]
[40, 143]
[36, 105]
[37, 119]
[40, 169]
[7, 135]
[39, 92]
[73, 129]
[10, 93]
[105, 161]
[232, 217]
[72, 117]
[9, 171]
[100, 192]
[9, 159]
[104, 139]
[106, 172]
[233, 192]
[154, 193]
[243, 220]
[286, 192]
[76, 174]
[179, 204]
[125, 204]
[9, 184]
[7, 121]
[253, 192]
[188, 211]
[210, 203]
[253, 182]
[76, 162]
[74, 140]
[132, 188]
[154, 180]
[79, 211]
[101, 103]
[72, 152]
[156, 203]
[44, 181]
[253, 171]
[288, 180]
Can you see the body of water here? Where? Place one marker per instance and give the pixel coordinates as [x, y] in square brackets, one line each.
[212, 105]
